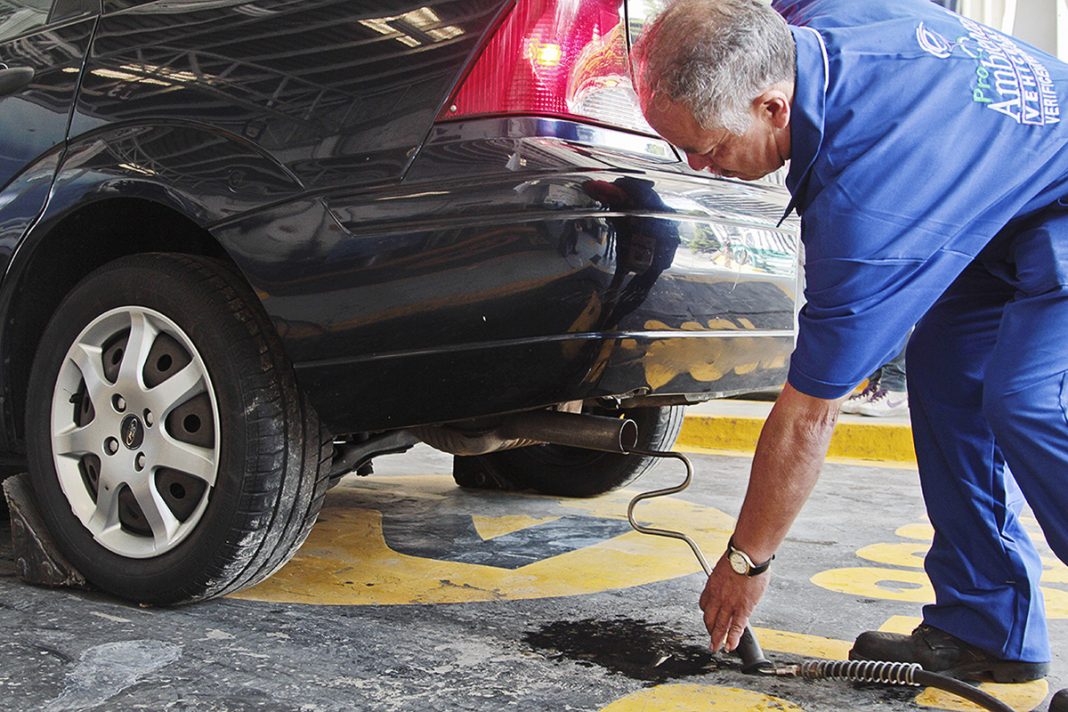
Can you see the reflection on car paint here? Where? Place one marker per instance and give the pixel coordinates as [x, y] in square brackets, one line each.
[394, 254]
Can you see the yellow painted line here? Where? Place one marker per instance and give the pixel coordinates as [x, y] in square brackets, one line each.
[748, 455]
[907, 554]
[900, 624]
[883, 442]
[802, 644]
[347, 561]
[1019, 696]
[691, 697]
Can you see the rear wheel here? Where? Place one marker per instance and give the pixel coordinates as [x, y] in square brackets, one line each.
[573, 472]
[170, 450]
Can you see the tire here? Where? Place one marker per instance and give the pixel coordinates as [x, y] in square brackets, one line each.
[572, 472]
[187, 466]
[5, 514]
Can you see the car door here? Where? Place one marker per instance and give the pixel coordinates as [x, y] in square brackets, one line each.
[42, 47]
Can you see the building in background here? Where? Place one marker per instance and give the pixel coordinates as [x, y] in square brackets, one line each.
[1043, 23]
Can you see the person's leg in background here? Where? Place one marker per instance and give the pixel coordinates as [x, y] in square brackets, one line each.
[892, 375]
[885, 394]
[860, 397]
[889, 397]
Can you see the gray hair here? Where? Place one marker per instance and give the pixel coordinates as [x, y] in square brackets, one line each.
[714, 57]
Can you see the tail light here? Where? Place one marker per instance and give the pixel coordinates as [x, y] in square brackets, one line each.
[563, 58]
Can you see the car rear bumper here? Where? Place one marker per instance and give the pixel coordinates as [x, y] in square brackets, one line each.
[524, 262]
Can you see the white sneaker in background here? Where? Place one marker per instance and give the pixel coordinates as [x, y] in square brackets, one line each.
[859, 398]
[885, 403]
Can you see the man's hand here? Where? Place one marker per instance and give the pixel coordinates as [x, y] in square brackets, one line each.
[728, 600]
[786, 465]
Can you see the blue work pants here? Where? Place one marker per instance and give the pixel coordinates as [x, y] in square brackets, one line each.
[988, 389]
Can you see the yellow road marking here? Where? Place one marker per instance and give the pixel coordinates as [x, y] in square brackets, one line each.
[1053, 570]
[880, 442]
[907, 554]
[900, 624]
[918, 530]
[346, 560]
[1020, 696]
[834, 460]
[699, 698]
[885, 584]
[803, 644]
[910, 586]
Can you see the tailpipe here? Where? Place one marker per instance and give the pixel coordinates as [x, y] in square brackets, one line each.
[590, 432]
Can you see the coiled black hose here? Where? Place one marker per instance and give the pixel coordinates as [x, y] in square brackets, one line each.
[886, 673]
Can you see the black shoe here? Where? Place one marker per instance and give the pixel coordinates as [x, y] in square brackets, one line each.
[1059, 703]
[938, 651]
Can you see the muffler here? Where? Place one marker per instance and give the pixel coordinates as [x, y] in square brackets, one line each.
[590, 432]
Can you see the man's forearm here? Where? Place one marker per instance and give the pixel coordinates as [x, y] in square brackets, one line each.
[786, 465]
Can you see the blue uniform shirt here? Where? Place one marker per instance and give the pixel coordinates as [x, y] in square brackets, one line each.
[916, 136]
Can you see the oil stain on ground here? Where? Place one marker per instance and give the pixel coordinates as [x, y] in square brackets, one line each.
[638, 649]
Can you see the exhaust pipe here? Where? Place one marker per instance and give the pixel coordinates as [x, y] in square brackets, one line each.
[590, 432]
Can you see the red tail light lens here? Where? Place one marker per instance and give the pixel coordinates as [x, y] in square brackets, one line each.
[565, 58]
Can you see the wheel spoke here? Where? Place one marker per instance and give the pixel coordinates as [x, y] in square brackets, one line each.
[177, 389]
[190, 459]
[163, 523]
[106, 515]
[75, 441]
[142, 335]
[88, 360]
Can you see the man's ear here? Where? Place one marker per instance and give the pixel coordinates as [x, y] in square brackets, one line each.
[773, 106]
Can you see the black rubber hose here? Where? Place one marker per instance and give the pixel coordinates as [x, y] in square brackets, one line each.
[961, 689]
[890, 673]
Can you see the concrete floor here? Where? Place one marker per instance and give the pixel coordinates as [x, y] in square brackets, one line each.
[412, 594]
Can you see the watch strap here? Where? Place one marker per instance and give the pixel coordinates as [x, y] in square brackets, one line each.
[754, 568]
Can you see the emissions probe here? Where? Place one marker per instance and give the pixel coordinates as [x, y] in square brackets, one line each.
[864, 671]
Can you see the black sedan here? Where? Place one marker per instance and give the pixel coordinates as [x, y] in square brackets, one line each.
[248, 245]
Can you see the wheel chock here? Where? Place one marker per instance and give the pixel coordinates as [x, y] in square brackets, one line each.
[37, 560]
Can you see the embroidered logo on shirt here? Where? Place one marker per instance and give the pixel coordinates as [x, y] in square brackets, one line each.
[934, 43]
[1008, 79]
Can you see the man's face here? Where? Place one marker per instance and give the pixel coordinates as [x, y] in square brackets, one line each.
[755, 154]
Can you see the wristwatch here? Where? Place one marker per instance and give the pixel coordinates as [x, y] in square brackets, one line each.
[742, 564]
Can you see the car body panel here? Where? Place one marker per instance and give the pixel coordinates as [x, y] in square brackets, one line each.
[34, 120]
[214, 109]
[497, 260]
[339, 92]
[416, 272]
[206, 174]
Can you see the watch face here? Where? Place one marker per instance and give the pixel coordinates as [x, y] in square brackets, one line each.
[738, 563]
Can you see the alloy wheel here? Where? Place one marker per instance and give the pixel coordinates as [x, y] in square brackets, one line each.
[134, 425]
